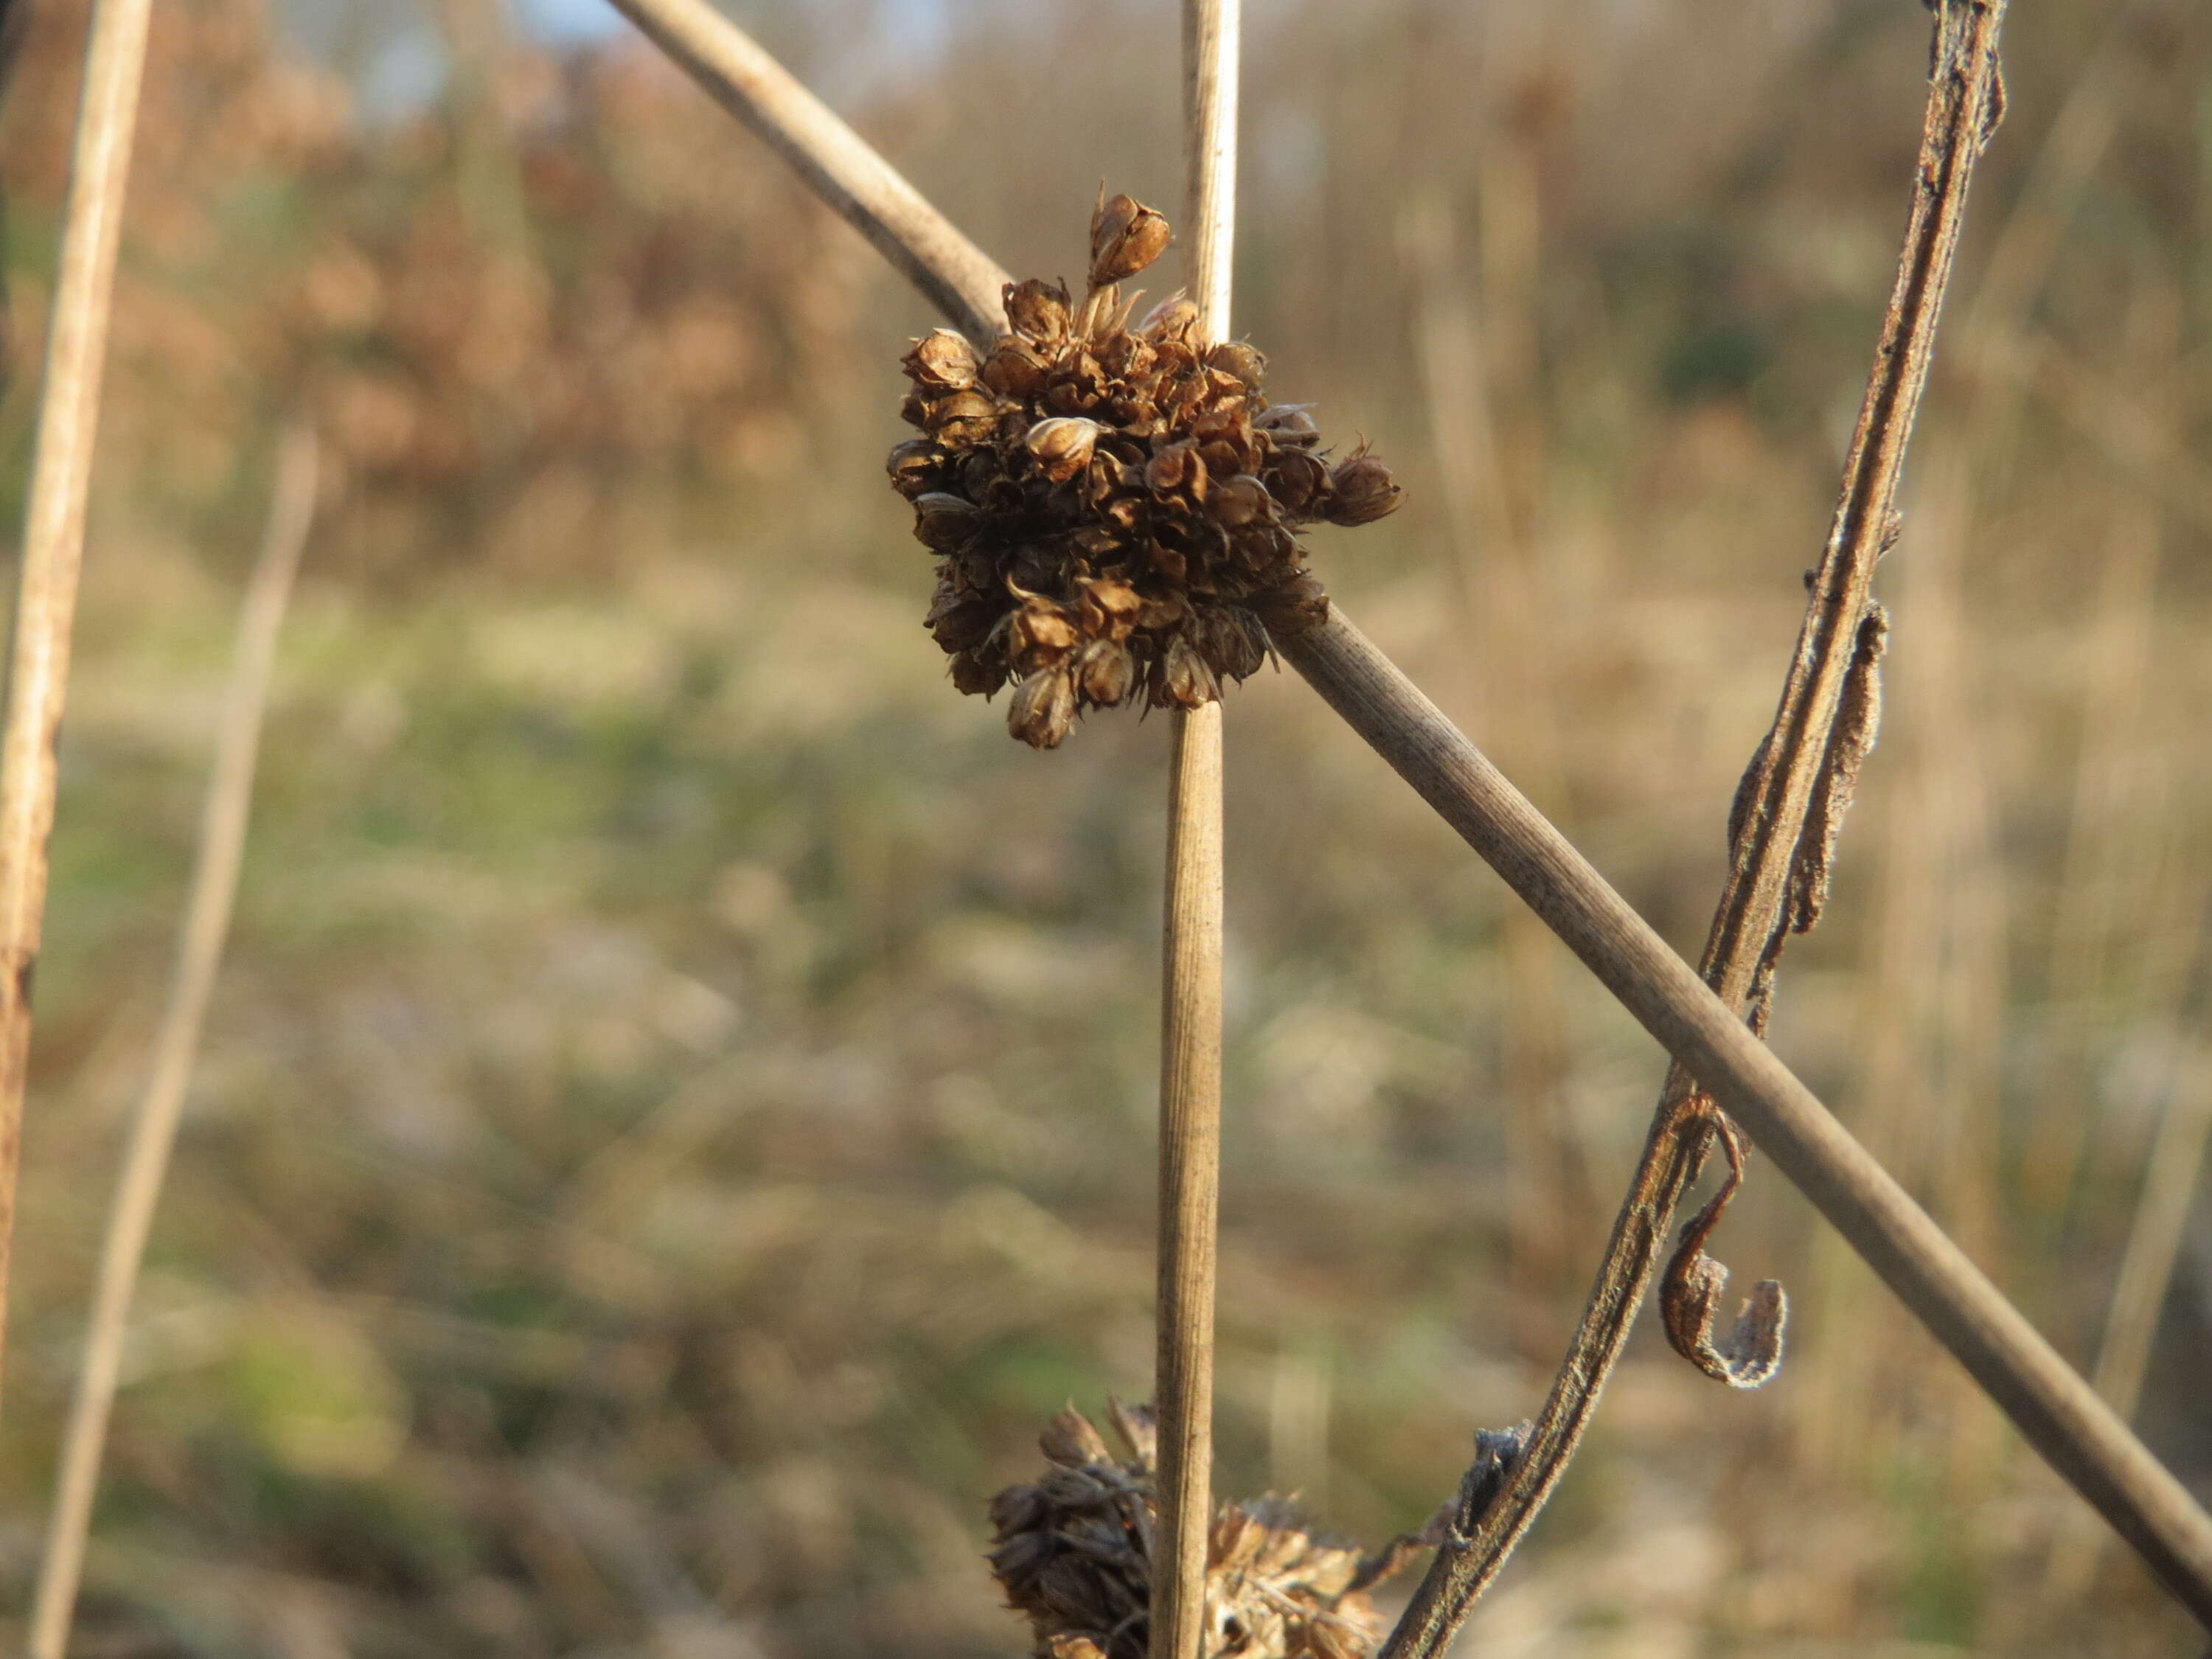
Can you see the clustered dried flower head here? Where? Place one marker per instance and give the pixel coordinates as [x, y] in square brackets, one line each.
[1115, 509]
[1073, 1552]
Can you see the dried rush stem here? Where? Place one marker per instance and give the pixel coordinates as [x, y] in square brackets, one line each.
[1190, 1024]
[154, 1127]
[1779, 862]
[2056, 1411]
[53, 542]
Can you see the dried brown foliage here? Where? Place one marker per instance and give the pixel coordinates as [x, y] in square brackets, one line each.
[1074, 1552]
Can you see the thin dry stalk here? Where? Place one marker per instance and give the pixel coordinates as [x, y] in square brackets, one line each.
[153, 1128]
[2055, 1409]
[1779, 858]
[837, 162]
[2059, 1414]
[1190, 1182]
[53, 543]
[1190, 1024]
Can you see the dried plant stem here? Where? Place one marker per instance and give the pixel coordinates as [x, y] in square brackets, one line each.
[1190, 1182]
[1190, 1024]
[53, 542]
[153, 1128]
[1772, 836]
[2055, 1409]
[840, 165]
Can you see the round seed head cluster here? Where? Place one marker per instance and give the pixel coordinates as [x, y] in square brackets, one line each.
[1115, 507]
[1073, 1551]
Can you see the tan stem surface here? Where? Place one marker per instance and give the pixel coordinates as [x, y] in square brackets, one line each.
[1190, 1181]
[1769, 841]
[53, 542]
[154, 1127]
[1190, 1026]
[840, 165]
[2060, 1415]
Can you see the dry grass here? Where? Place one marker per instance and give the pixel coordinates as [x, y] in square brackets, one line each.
[679, 1116]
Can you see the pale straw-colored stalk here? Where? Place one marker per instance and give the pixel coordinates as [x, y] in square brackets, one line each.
[2053, 1406]
[153, 1125]
[1190, 1021]
[53, 542]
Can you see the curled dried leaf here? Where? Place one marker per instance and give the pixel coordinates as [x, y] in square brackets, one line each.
[1691, 1291]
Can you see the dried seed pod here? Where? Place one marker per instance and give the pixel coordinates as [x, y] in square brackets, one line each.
[1105, 671]
[1116, 510]
[1038, 310]
[1240, 501]
[1288, 424]
[914, 466]
[1073, 1554]
[1174, 319]
[1363, 490]
[1236, 359]
[1070, 1440]
[941, 361]
[1043, 708]
[1062, 444]
[1126, 236]
[943, 522]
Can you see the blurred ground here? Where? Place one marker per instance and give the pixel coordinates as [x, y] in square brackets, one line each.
[676, 1114]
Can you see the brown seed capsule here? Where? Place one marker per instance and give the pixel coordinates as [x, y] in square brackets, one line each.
[1062, 445]
[1177, 471]
[1110, 609]
[1174, 319]
[1070, 1440]
[1298, 480]
[1106, 671]
[1363, 490]
[1020, 1557]
[1242, 501]
[1015, 369]
[1328, 1637]
[1242, 362]
[943, 522]
[960, 419]
[914, 467]
[1043, 709]
[1186, 682]
[1288, 424]
[974, 674]
[960, 620]
[1018, 1509]
[1039, 310]
[941, 361]
[1041, 636]
[1126, 236]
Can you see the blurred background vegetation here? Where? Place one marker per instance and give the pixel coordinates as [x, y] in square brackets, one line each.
[676, 1114]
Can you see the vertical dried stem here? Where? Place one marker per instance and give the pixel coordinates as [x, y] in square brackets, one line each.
[1190, 1027]
[53, 542]
[153, 1128]
[2056, 1411]
[1757, 905]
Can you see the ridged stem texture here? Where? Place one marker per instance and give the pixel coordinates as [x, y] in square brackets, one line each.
[1190, 1026]
[53, 542]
